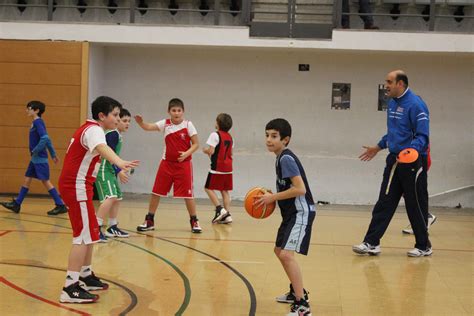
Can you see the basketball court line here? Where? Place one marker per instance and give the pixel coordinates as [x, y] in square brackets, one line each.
[253, 300]
[185, 279]
[131, 294]
[39, 298]
[231, 261]
[233, 240]
[3, 233]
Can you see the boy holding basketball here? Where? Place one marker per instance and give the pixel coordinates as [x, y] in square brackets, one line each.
[297, 210]
[76, 184]
[220, 144]
[175, 169]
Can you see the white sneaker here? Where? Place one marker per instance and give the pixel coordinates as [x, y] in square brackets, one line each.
[431, 221]
[226, 220]
[366, 248]
[220, 215]
[195, 227]
[415, 252]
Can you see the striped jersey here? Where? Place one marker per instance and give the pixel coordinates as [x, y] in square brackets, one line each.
[288, 166]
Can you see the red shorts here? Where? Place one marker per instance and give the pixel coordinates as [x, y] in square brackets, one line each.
[85, 229]
[221, 182]
[178, 175]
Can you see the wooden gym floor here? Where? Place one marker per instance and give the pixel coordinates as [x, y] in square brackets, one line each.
[231, 269]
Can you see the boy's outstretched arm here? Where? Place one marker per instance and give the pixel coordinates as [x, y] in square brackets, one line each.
[107, 153]
[296, 189]
[191, 150]
[144, 125]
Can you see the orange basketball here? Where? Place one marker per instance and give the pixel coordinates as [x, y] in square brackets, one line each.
[261, 211]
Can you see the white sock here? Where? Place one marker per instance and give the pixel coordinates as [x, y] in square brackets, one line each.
[71, 278]
[112, 221]
[86, 271]
[100, 221]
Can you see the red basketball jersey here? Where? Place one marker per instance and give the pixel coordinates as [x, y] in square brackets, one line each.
[177, 138]
[221, 160]
[80, 164]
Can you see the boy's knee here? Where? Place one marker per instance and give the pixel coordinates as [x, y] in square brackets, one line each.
[285, 255]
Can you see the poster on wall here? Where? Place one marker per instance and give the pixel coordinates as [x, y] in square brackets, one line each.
[341, 96]
[383, 99]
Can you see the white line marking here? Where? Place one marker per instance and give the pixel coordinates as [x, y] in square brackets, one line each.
[453, 190]
[225, 261]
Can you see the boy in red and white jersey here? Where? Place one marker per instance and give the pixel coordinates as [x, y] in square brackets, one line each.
[220, 145]
[175, 168]
[76, 184]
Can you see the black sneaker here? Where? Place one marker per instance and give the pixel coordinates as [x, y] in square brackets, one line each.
[220, 214]
[300, 308]
[59, 209]
[114, 231]
[290, 296]
[92, 283]
[76, 294]
[148, 224]
[12, 206]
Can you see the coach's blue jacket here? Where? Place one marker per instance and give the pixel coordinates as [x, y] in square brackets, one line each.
[408, 124]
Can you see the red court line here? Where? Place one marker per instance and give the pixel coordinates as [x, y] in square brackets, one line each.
[36, 231]
[19, 289]
[5, 232]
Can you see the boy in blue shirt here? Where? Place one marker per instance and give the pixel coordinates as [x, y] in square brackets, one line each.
[297, 210]
[38, 167]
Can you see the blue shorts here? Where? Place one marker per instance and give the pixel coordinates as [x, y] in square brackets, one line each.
[38, 171]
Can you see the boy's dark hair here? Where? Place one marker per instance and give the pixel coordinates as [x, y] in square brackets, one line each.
[224, 122]
[280, 125]
[37, 105]
[104, 105]
[402, 77]
[175, 102]
[124, 112]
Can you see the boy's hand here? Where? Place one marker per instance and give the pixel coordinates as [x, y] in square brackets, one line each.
[265, 199]
[123, 176]
[138, 118]
[126, 165]
[182, 156]
[55, 160]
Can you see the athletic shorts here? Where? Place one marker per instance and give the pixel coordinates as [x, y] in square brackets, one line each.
[38, 171]
[107, 186]
[178, 175]
[295, 233]
[220, 182]
[85, 229]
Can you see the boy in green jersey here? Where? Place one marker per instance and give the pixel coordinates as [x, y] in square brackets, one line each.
[107, 184]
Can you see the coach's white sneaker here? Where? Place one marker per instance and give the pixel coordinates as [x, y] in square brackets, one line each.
[415, 252]
[431, 221]
[366, 248]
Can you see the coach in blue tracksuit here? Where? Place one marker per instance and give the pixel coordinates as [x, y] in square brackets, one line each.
[408, 126]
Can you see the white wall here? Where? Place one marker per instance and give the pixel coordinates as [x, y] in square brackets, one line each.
[96, 72]
[256, 85]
